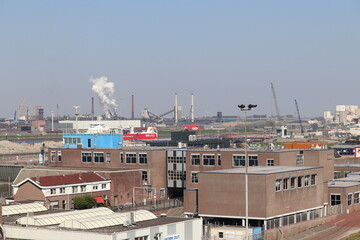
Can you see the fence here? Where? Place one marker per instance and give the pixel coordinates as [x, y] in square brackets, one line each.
[151, 205]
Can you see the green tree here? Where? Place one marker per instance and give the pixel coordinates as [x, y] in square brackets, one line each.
[84, 202]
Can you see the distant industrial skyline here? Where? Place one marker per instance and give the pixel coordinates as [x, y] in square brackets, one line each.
[226, 53]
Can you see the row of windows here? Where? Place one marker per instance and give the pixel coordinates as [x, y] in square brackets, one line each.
[99, 157]
[293, 182]
[75, 189]
[172, 159]
[53, 156]
[336, 199]
[176, 175]
[72, 140]
[208, 159]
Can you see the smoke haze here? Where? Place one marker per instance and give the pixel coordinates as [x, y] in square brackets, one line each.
[105, 89]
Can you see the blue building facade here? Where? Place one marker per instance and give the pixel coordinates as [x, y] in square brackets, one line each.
[93, 140]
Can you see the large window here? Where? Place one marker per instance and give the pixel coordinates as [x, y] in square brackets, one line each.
[356, 198]
[306, 180]
[208, 160]
[143, 158]
[270, 162]
[253, 160]
[292, 182]
[335, 199]
[108, 157]
[313, 179]
[350, 199]
[86, 157]
[99, 157]
[238, 160]
[278, 185]
[195, 159]
[72, 140]
[285, 184]
[53, 156]
[194, 177]
[176, 175]
[130, 158]
[300, 181]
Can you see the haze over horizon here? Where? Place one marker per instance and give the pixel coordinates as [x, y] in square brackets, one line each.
[226, 53]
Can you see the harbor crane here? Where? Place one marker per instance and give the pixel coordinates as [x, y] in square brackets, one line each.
[298, 113]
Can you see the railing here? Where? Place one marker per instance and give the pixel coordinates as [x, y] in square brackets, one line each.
[151, 205]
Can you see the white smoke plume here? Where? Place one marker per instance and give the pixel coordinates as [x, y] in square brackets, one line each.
[105, 91]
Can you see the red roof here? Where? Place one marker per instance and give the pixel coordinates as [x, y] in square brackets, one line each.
[68, 179]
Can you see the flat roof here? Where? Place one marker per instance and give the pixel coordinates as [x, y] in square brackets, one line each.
[334, 184]
[261, 170]
[352, 178]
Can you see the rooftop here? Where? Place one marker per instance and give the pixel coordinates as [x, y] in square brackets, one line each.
[261, 170]
[335, 184]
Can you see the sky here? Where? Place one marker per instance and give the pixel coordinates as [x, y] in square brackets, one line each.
[224, 52]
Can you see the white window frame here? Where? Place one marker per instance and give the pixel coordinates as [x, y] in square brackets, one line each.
[162, 192]
[132, 153]
[334, 194]
[103, 157]
[197, 177]
[199, 159]
[278, 183]
[146, 155]
[238, 155]
[349, 201]
[91, 157]
[208, 159]
[53, 156]
[268, 160]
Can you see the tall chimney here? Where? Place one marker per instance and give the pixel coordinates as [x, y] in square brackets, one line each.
[176, 108]
[132, 107]
[192, 108]
[92, 109]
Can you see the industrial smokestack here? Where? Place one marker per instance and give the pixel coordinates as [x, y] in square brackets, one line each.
[92, 109]
[132, 107]
[192, 108]
[176, 108]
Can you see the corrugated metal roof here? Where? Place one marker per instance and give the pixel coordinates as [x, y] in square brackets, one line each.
[23, 208]
[57, 218]
[108, 220]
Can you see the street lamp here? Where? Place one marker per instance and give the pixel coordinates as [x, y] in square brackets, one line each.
[246, 109]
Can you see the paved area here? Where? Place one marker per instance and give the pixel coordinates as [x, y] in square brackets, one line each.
[342, 226]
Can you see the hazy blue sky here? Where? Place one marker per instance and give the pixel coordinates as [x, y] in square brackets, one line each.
[225, 52]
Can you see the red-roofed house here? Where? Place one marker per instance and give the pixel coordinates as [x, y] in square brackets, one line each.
[58, 191]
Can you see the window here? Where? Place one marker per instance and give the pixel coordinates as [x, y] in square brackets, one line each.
[53, 156]
[75, 189]
[99, 157]
[59, 156]
[103, 186]
[356, 198]
[53, 191]
[292, 182]
[270, 162]
[162, 192]
[335, 199]
[253, 161]
[238, 160]
[221, 234]
[278, 185]
[86, 157]
[130, 158]
[176, 175]
[313, 179]
[142, 238]
[285, 183]
[300, 159]
[194, 177]
[95, 187]
[72, 140]
[300, 181]
[219, 159]
[306, 180]
[150, 194]
[350, 199]
[121, 157]
[62, 190]
[143, 158]
[82, 188]
[195, 159]
[208, 160]
[108, 157]
[144, 176]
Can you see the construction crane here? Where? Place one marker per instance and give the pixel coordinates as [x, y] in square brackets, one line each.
[276, 104]
[298, 113]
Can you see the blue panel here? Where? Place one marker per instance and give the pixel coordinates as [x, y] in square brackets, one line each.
[96, 140]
